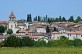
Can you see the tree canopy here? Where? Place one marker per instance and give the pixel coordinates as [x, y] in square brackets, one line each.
[2, 29]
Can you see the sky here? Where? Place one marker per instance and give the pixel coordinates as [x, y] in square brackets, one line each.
[52, 8]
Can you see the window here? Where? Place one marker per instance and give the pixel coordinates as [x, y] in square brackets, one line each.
[11, 26]
[81, 35]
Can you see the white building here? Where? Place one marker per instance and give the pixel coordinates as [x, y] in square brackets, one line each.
[12, 23]
[41, 30]
[70, 35]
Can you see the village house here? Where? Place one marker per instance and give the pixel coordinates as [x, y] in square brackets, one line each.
[71, 35]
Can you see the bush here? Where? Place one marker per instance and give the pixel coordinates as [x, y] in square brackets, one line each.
[77, 43]
[9, 31]
[40, 43]
[12, 41]
[26, 41]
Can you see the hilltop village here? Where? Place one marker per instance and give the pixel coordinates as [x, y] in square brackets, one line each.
[37, 30]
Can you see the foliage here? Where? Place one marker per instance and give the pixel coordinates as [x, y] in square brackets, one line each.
[78, 19]
[12, 41]
[40, 43]
[47, 29]
[77, 43]
[35, 19]
[39, 18]
[9, 31]
[29, 18]
[2, 29]
[71, 19]
[63, 19]
[55, 29]
[26, 41]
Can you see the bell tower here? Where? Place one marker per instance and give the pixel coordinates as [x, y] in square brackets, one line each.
[12, 21]
[12, 17]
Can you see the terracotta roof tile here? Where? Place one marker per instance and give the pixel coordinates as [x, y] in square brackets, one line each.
[12, 15]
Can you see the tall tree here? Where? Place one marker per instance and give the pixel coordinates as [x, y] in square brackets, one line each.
[49, 20]
[29, 18]
[35, 19]
[63, 19]
[71, 19]
[39, 18]
[2, 29]
[47, 29]
[57, 20]
[45, 18]
[60, 18]
[78, 19]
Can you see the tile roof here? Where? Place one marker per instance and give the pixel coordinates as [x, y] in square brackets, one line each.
[33, 36]
[3, 37]
[12, 15]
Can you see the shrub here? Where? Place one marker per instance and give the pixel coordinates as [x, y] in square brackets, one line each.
[26, 41]
[12, 41]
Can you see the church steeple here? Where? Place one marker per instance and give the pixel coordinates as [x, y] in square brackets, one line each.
[12, 16]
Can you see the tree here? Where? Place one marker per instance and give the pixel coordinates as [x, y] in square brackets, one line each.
[63, 41]
[35, 19]
[60, 19]
[78, 19]
[9, 31]
[51, 43]
[63, 19]
[56, 20]
[39, 18]
[26, 41]
[40, 43]
[77, 43]
[45, 19]
[29, 18]
[55, 29]
[12, 41]
[49, 20]
[70, 43]
[71, 19]
[2, 29]
[47, 29]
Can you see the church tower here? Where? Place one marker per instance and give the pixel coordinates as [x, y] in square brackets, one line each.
[12, 22]
[12, 17]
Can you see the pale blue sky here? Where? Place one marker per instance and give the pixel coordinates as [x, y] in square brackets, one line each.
[52, 8]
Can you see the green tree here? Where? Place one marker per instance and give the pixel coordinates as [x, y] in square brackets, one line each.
[26, 41]
[29, 18]
[55, 29]
[78, 19]
[71, 19]
[77, 43]
[45, 19]
[12, 41]
[47, 29]
[60, 18]
[39, 18]
[35, 19]
[63, 19]
[2, 29]
[40, 43]
[57, 20]
[70, 43]
[63, 41]
[9, 31]
[49, 20]
[51, 43]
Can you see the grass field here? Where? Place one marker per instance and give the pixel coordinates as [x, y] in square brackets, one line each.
[43, 50]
